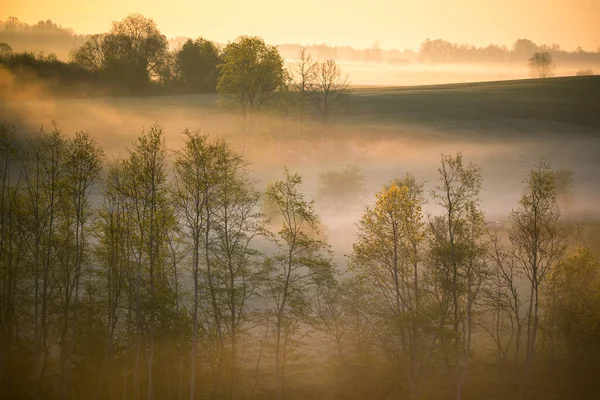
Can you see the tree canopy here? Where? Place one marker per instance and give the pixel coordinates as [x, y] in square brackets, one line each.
[251, 73]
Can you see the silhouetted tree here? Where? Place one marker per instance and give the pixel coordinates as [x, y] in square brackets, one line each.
[5, 49]
[251, 73]
[330, 90]
[133, 51]
[196, 65]
[541, 65]
[90, 55]
[303, 74]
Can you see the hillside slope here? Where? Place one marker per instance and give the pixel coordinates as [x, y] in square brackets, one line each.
[566, 100]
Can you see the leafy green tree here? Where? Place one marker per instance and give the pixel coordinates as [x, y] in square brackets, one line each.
[387, 255]
[193, 188]
[134, 50]
[147, 201]
[196, 65]
[457, 254]
[299, 262]
[576, 303]
[91, 54]
[539, 244]
[113, 253]
[217, 204]
[83, 160]
[251, 73]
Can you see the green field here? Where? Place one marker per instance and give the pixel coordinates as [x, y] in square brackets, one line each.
[573, 101]
[565, 101]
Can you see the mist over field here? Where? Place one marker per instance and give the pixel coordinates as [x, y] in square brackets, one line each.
[505, 146]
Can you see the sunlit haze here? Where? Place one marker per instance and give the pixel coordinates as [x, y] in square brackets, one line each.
[394, 24]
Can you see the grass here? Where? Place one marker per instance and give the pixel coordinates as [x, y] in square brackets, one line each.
[567, 100]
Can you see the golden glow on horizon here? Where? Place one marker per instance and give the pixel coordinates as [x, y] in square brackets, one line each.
[394, 23]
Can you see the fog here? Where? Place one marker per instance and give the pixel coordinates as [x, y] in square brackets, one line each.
[505, 150]
[422, 74]
[382, 74]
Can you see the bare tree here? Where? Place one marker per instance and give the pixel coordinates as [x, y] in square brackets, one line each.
[329, 93]
[541, 65]
[303, 75]
[192, 189]
[112, 250]
[505, 302]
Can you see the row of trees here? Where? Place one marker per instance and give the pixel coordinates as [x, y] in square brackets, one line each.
[44, 36]
[254, 76]
[159, 279]
[249, 74]
[49, 37]
[439, 51]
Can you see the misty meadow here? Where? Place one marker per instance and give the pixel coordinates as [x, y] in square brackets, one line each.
[183, 218]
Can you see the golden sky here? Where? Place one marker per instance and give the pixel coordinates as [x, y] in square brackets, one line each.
[394, 23]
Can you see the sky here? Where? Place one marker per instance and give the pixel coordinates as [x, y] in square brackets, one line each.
[393, 23]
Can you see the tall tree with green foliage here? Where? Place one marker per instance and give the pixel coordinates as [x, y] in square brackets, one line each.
[147, 196]
[251, 73]
[539, 243]
[457, 254]
[299, 262]
[44, 191]
[134, 49]
[196, 65]
[82, 167]
[13, 272]
[387, 255]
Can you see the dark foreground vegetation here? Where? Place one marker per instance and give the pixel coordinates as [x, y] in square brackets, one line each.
[171, 275]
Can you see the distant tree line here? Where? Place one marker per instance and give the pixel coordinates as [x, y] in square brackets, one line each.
[170, 275]
[133, 58]
[44, 36]
[46, 73]
[48, 37]
[440, 51]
